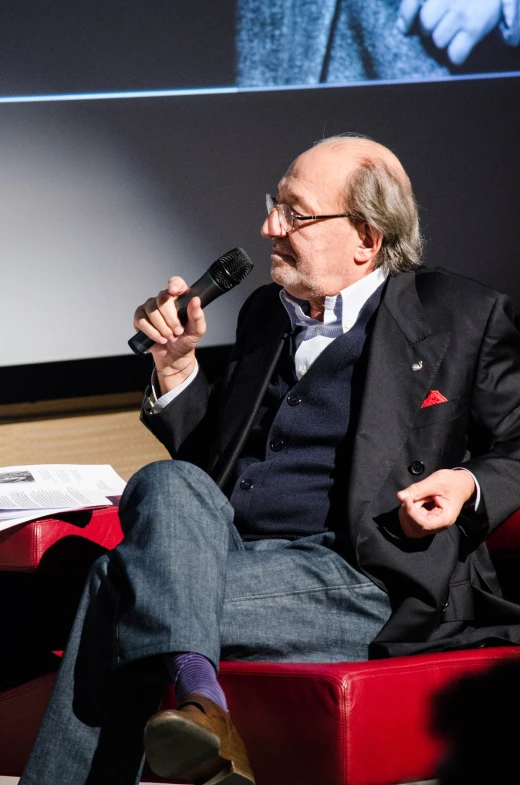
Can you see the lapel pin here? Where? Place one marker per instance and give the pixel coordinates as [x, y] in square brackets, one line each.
[417, 366]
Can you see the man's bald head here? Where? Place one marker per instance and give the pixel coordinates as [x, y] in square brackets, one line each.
[376, 189]
[359, 148]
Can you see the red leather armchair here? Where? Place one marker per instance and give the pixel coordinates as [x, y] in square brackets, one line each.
[340, 724]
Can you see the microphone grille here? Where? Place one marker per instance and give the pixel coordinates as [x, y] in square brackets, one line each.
[231, 268]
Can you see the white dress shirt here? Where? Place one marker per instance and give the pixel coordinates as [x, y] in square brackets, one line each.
[340, 315]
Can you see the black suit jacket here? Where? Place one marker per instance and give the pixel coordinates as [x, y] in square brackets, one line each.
[443, 588]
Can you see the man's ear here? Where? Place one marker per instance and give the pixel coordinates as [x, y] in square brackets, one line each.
[370, 241]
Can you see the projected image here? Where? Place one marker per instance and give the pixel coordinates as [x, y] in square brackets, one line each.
[338, 41]
[92, 46]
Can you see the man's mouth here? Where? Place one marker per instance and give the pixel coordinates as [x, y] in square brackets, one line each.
[277, 251]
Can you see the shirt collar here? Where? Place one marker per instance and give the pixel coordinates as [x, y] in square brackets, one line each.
[343, 308]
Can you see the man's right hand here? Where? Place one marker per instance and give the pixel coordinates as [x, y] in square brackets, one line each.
[174, 347]
[454, 25]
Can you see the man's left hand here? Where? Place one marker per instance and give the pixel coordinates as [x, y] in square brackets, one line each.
[435, 503]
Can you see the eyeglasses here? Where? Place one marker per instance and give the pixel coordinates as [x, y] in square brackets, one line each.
[287, 216]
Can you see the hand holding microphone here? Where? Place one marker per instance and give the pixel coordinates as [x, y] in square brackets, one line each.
[171, 324]
[173, 345]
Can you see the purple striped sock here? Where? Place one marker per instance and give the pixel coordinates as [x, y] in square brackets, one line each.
[194, 673]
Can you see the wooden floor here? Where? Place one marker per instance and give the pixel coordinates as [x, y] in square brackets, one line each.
[117, 438]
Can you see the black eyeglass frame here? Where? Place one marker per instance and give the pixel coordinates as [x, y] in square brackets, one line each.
[298, 217]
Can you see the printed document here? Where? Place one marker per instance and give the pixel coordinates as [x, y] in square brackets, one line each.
[29, 492]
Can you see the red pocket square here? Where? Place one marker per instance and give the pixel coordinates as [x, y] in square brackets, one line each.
[433, 397]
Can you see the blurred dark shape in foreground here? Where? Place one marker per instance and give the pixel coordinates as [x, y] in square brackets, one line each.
[479, 718]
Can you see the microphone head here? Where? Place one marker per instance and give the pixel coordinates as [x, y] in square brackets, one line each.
[231, 268]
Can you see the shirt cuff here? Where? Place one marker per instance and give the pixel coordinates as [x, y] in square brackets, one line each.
[476, 501]
[154, 405]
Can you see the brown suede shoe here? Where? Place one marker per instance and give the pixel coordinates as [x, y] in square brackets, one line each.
[198, 742]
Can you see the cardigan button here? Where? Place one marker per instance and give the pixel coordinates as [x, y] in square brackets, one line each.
[293, 399]
[416, 467]
[246, 485]
[277, 445]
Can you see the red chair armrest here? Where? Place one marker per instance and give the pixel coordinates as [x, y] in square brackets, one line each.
[22, 547]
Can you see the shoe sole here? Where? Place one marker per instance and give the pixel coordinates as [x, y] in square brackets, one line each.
[229, 777]
[178, 748]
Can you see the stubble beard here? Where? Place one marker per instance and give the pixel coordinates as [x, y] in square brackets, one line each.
[294, 281]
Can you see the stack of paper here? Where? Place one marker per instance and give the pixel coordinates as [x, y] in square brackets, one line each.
[28, 492]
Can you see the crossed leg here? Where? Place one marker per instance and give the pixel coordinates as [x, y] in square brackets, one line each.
[182, 580]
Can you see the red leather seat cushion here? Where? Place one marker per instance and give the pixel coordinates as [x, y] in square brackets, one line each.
[504, 548]
[341, 724]
[21, 712]
[507, 536]
[346, 723]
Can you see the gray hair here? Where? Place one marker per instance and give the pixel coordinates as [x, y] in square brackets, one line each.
[382, 196]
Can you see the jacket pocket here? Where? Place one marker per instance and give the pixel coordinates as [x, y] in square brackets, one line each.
[459, 605]
[439, 412]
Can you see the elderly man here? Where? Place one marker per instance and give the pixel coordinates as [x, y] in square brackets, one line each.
[366, 437]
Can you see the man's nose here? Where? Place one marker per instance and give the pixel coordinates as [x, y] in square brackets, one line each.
[271, 227]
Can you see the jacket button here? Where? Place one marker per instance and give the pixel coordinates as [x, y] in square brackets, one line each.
[293, 399]
[277, 444]
[246, 485]
[416, 467]
[444, 607]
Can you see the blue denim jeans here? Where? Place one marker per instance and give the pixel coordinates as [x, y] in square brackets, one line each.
[183, 580]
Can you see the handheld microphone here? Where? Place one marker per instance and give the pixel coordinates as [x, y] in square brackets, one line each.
[228, 271]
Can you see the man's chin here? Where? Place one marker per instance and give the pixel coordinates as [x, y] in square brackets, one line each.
[285, 275]
[293, 282]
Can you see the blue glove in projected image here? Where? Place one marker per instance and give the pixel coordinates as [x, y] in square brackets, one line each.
[342, 41]
[455, 25]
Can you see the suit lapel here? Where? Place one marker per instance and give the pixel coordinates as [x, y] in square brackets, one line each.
[393, 392]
